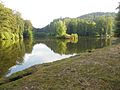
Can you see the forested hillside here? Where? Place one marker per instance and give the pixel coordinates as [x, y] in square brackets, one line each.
[98, 14]
[12, 25]
[96, 24]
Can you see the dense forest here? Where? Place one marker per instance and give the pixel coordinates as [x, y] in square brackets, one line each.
[95, 24]
[117, 23]
[12, 25]
[97, 14]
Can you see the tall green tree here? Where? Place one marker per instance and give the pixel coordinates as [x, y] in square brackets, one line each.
[72, 26]
[27, 29]
[58, 28]
[117, 31]
[12, 26]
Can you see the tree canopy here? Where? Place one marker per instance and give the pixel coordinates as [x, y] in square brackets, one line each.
[58, 28]
[12, 25]
[117, 31]
[100, 26]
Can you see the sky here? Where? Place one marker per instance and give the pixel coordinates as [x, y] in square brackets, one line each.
[42, 12]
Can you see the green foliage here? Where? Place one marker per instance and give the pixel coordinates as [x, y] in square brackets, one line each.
[39, 34]
[74, 37]
[72, 26]
[12, 25]
[117, 31]
[27, 29]
[104, 26]
[86, 28]
[58, 28]
[92, 16]
[100, 26]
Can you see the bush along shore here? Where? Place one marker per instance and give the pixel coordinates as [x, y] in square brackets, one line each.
[95, 70]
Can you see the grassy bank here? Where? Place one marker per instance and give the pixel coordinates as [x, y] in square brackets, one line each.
[93, 70]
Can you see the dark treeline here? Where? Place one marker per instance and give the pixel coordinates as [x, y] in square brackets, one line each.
[101, 25]
[12, 25]
[117, 23]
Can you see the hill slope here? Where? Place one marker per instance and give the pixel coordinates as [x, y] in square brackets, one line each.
[97, 14]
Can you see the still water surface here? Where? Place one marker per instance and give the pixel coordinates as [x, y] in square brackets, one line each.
[20, 55]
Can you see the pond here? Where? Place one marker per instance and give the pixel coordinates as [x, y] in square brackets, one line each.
[19, 55]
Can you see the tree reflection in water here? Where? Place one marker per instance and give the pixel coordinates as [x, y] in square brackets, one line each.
[13, 53]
